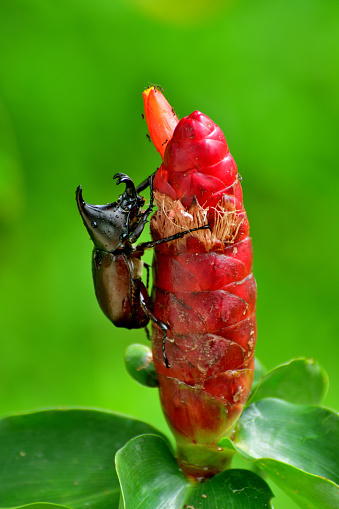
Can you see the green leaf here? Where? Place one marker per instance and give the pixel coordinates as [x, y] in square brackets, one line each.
[296, 446]
[307, 490]
[151, 478]
[42, 505]
[63, 457]
[301, 435]
[301, 381]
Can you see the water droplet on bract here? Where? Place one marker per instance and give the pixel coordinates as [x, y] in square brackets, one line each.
[94, 224]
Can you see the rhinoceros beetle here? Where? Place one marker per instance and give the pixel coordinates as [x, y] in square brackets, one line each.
[116, 262]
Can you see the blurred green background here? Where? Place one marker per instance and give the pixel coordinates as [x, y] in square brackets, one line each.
[71, 77]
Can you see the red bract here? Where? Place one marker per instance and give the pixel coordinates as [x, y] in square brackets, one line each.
[204, 290]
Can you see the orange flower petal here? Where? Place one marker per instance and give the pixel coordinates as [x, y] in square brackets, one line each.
[160, 117]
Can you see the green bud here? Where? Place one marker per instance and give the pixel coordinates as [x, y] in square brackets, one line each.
[139, 364]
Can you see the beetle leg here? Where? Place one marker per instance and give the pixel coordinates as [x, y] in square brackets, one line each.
[149, 245]
[142, 223]
[167, 364]
[147, 334]
[140, 226]
[159, 323]
[145, 183]
[147, 267]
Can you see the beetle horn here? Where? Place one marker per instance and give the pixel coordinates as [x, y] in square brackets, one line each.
[130, 187]
[80, 202]
[87, 211]
[89, 214]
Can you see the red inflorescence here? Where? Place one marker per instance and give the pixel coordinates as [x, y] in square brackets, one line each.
[204, 290]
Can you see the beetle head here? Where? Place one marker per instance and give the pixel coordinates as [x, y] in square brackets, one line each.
[107, 225]
[110, 225]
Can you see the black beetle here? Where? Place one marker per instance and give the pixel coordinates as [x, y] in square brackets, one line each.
[116, 262]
